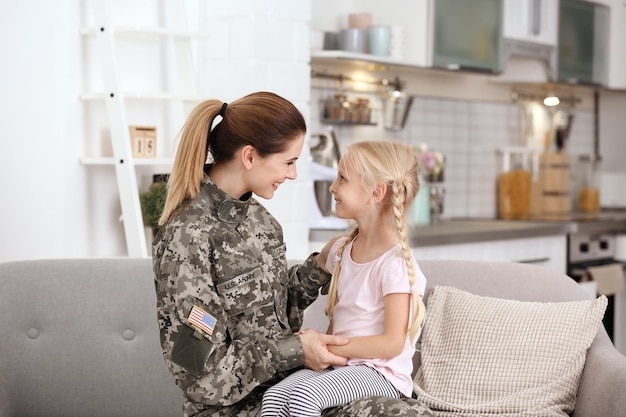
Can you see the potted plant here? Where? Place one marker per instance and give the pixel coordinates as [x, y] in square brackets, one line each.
[152, 202]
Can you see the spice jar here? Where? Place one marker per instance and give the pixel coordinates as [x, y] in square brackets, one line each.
[364, 110]
[339, 108]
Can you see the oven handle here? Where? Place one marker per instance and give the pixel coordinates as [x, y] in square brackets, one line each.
[534, 261]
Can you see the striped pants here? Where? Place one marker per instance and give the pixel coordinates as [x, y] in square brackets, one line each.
[307, 392]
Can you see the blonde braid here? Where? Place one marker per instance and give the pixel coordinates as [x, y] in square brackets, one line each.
[398, 196]
[332, 291]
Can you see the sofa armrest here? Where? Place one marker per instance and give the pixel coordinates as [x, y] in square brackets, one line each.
[601, 389]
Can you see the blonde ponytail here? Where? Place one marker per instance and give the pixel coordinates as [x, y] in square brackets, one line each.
[188, 168]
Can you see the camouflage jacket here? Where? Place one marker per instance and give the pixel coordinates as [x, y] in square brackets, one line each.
[227, 305]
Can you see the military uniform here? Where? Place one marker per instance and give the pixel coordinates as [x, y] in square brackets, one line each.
[228, 308]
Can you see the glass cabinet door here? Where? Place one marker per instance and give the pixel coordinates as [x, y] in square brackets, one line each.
[583, 42]
[467, 34]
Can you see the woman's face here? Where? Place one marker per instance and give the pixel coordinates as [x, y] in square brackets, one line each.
[271, 171]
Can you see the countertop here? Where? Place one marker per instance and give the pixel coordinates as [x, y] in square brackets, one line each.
[471, 230]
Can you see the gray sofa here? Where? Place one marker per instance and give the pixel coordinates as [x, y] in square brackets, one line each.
[80, 338]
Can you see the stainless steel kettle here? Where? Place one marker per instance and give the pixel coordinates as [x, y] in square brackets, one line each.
[325, 152]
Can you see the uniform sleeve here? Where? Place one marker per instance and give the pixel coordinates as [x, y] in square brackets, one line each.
[209, 366]
[305, 281]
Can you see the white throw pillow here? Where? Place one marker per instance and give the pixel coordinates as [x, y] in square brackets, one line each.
[486, 356]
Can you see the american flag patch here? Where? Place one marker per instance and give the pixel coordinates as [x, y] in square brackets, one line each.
[201, 319]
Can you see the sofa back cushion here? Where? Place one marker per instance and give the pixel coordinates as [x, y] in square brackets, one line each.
[81, 338]
[492, 356]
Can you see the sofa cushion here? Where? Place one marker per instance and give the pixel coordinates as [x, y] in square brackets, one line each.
[490, 356]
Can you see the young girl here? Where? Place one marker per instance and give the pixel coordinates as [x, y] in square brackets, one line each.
[375, 291]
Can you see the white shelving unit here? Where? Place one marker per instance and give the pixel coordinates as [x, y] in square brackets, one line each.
[107, 35]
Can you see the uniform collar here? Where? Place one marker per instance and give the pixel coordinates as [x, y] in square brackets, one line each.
[226, 208]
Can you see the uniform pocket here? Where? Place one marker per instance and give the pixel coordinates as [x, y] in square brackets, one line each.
[245, 291]
[279, 259]
[281, 281]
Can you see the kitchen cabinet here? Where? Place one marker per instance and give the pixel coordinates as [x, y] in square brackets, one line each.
[452, 34]
[583, 42]
[467, 35]
[533, 21]
[586, 44]
[617, 45]
[547, 251]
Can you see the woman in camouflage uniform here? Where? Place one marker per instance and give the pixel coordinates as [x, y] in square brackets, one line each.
[228, 307]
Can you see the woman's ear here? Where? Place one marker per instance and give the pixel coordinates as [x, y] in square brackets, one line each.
[247, 155]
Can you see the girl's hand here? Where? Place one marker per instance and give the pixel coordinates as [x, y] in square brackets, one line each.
[316, 353]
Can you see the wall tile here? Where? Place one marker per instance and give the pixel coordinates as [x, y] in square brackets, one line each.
[469, 134]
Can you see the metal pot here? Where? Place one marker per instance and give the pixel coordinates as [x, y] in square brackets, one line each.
[396, 107]
[323, 197]
[325, 152]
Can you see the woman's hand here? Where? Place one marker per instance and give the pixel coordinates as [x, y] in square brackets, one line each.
[323, 255]
[315, 347]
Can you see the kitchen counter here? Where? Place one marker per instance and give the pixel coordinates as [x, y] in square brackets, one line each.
[455, 231]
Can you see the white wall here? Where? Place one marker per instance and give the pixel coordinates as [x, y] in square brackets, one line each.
[54, 207]
[264, 45]
[44, 211]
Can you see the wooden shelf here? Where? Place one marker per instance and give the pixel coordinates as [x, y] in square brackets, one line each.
[333, 56]
[346, 123]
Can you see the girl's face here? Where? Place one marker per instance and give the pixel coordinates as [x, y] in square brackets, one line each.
[352, 198]
[271, 171]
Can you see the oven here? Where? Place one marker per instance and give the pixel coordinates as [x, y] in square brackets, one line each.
[586, 250]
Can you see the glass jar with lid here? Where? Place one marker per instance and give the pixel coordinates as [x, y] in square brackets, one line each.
[517, 184]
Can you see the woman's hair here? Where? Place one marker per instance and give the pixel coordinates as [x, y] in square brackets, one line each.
[396, 165]
[262, 120]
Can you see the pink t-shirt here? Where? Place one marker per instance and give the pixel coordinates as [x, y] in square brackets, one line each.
[360, 310]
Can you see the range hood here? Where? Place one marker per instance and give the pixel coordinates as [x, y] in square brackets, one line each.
[527, 62]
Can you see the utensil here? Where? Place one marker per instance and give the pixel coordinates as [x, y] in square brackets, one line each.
[562, 122]
[396, 107]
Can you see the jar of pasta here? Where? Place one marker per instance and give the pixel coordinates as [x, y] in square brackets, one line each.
[587, 184]
[516, 182]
